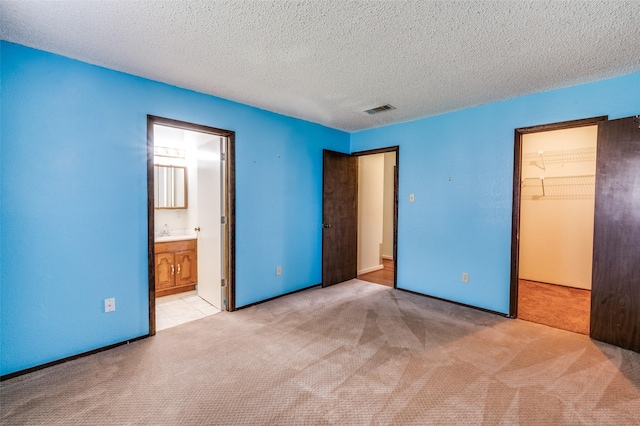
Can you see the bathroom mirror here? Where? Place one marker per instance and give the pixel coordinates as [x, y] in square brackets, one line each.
[170, 187]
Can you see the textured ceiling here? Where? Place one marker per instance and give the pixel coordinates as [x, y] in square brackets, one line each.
[328, 61]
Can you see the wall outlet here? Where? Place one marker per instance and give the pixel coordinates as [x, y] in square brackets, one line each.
[412, 198]
[278, 270]
[465, 277]
[110, 304]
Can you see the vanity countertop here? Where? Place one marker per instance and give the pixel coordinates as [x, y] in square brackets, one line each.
[174, 238]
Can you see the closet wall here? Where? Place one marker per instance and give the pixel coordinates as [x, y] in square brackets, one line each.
[557, 206]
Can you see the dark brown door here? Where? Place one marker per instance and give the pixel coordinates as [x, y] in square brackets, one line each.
[615, 294]
[339, 217]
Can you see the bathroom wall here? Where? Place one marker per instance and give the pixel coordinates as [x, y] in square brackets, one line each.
[176, 219]
[181, 221]
[74, 204]
[169, 137]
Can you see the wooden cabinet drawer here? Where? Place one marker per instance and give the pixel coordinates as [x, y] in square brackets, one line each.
[176, 246]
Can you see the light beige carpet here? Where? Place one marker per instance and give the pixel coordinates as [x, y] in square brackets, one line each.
[353, 354]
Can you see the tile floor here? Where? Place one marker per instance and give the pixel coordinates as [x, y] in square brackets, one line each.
[179, 308]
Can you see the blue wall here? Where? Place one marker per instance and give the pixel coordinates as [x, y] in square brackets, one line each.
[73, 201]
[464, 224]
[73, 196]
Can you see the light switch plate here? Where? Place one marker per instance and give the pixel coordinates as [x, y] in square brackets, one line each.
[110, 304]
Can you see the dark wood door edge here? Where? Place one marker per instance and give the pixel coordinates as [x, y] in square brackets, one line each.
[563, 125]
[615, 290]
[517, 174]
[395, 148]
[151, 251]
[189, 126]
[339, 217]
[231, 219]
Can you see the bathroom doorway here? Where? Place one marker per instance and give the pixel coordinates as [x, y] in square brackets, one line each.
[191, 221]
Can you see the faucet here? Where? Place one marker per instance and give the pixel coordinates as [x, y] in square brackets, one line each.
[165, 231]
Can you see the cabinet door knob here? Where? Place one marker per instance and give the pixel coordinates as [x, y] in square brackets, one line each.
[171, 269]
[178, 268]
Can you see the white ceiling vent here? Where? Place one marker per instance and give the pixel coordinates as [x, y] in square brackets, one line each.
[380, 109]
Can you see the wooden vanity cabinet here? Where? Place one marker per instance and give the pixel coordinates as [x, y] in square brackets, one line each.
[176, 266]
[165, 270]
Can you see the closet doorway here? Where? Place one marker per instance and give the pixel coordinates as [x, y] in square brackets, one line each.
[190, 221]
[554, 194]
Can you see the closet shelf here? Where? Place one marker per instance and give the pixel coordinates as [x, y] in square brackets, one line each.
[559, 187]
[574, 155]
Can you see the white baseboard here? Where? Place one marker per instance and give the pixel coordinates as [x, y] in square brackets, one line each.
[384, 256]
[372, 269]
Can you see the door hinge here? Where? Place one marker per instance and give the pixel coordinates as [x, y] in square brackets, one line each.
[223, 220]
[223, 156]
[223, 282]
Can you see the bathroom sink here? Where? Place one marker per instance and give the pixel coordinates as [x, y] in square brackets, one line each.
[174, 238]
